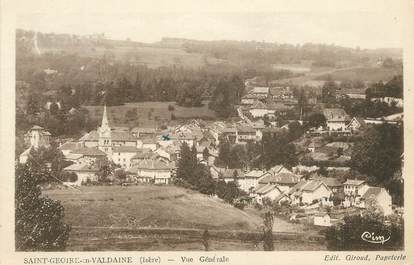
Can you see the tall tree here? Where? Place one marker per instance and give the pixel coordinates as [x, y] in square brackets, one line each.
[39, 220]
[378, 154]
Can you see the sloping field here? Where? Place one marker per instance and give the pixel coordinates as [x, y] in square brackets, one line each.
[149, 113]
[167, 218]
[150, 206]
[371, 74]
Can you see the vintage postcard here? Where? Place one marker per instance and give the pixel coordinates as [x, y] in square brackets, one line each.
[206, 132]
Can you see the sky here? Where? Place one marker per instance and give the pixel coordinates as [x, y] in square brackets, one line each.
[368, 26]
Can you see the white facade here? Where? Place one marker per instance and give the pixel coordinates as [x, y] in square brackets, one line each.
[320, 193]
[123, 158]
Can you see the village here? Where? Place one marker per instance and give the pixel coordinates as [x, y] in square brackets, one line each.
[321, 187]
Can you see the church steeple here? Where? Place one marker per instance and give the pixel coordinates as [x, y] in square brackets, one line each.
[105, 140]
[105, 123]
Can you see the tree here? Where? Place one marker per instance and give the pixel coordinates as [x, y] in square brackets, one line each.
[206, 154]
[328, 91]
[348, 236]
[295, 130]
[378, 153]
[276, 150]
[316, 120]
[206, 237]
[39, 220]
[105, 169]
[268, 232]
[223, 158]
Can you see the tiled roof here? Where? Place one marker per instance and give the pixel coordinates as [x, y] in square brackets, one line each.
[354, 182]
[228, 172]
[330, 182]
[255, 173]
[305, 185]
[260, 90]
[143, 154]
[258, 105]
[335, 114]
[267, 188]
[115, 136]
[69, 146]
[81, 167]
[153, 164]
[36, 127]
[281, 178]
[125, 149]
[245, 129]
[122, 136]
[89, 151]
[372, 192]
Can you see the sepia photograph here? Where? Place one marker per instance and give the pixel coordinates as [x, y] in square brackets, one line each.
[209, 131]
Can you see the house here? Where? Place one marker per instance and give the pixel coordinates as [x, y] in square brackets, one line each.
[170, 152]
[248, 99]
[398, 102]
[333, 183]
[309, 191]
[250, 180]
[143, 132]
[226, 174]
[377, 198]
[270, 191]
[260, 92]
[68, 147]
[284, 197]
[143, 154]
[245, 134]
[356, 124]
[284, 180]
[152, 170]
[336, 119]
[322, 219]
[36, 137]
[355, 187]
[122, 155]
[353, 191]
[147, 143]
[84, 172]
[259, 110]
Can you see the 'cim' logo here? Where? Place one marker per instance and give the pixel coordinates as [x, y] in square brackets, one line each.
[371, 237]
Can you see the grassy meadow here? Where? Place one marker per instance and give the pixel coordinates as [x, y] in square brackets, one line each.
[150, 114]
[151, 217]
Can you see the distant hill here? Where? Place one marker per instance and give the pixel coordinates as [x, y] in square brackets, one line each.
[196, 53]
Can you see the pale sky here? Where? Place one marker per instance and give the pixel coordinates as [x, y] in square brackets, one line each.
[351, 25]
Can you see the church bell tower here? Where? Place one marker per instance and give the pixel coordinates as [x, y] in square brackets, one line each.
[104, 131]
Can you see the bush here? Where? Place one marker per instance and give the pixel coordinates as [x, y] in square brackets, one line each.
[348, 236]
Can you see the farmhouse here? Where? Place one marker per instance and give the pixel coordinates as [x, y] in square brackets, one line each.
[308, 192]
[36, 137]
[284, 180]
[260, 92]
[376, 197]
[356, 124]
[250, 179]
[84, 172]
[122, 155]
[152, 170]
[336, 119]
[270, 191]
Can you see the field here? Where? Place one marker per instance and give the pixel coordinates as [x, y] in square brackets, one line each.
[371, 74]
[146, 55]
[150, 114]
[149, 217]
